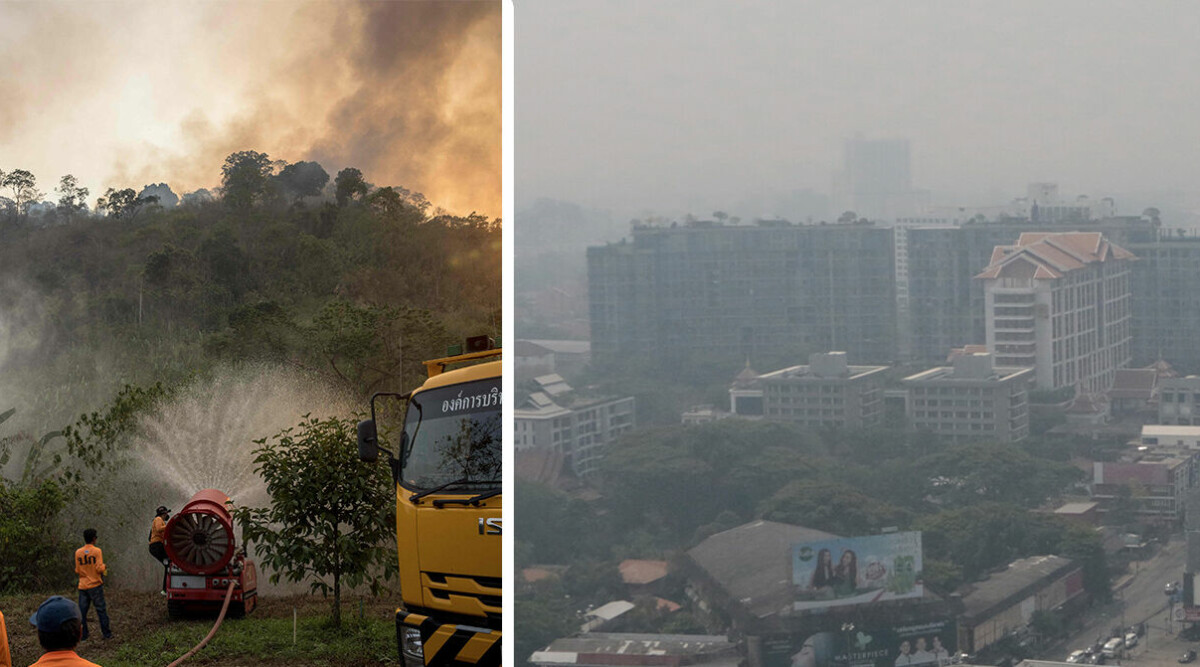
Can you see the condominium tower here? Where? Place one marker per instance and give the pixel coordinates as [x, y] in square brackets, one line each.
[707, 290]
[1061, 304]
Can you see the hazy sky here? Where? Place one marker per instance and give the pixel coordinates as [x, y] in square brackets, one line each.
[685, 103]
[122, 94]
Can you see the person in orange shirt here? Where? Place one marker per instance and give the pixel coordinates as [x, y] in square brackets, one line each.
[158, 548]
[5, 656]
[89, 565]
[59, 624]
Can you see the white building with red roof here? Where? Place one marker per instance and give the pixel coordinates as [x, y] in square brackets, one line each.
[1060, 303]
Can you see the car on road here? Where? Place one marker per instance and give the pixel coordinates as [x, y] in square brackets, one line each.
[1076, 657]
[1113, 647]
[1187, 657]
[1171, 588]
[1131, 640]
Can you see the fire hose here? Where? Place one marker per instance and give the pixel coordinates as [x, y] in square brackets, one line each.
[220, 617]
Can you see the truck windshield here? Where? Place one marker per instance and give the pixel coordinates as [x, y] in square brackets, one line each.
[458, 437]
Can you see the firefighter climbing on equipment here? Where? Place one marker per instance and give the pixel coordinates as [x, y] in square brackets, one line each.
[158, 532]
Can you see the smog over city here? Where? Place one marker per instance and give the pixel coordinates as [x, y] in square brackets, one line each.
[857, 334]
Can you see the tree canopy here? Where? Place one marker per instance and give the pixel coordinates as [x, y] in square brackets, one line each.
[331, 521]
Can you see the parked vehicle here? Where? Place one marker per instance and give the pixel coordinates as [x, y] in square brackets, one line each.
[1113, 647]
[1131, 640]
[1076, 657]
[1188, 656]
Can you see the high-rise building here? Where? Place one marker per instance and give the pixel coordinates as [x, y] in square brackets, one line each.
[946, 307]
[1166, 304]
[877, 180]
[710, 291]
[1061, 304]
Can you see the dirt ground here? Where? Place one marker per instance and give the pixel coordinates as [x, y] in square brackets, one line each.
[134, 614]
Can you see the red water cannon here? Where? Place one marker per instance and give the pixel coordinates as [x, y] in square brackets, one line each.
[205, 560]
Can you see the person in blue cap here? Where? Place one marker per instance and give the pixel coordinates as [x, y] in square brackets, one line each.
[59, 626]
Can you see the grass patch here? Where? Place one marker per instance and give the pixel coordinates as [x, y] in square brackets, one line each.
[145, 636]
[366, 641]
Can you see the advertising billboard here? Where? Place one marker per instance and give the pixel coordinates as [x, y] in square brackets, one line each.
[929, 644]
[856, 570]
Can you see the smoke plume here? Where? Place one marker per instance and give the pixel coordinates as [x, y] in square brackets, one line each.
[136, 93]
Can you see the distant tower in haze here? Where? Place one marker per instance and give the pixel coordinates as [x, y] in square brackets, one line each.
[877, 180]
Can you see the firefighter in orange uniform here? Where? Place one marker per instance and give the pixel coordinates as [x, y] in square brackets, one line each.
[5, 657]
[89, 565]
[59, 624]
[158, 548]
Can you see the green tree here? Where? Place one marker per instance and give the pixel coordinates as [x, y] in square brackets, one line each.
[369, 347]
[302, 179]
[987, 535]
[1084, 546]
[555, 528]
[245, 179]
[23, 185]
[124, 203]
[261, 331]
[349, 184]
[972, 474]
[831, 506]
[943, 576]
[331, 518]
[28, 536]
[543, 620]
[1048, 624]
[72, 198]
[93, 438]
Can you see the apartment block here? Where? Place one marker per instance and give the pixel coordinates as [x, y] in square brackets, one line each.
[972, 399]
[1166, 304]
[1060, 303]
[1179, 401]
[827, 393]
[1156, 484]
[1155, 436]
[946, 307]
[708, 290]
[579, 427]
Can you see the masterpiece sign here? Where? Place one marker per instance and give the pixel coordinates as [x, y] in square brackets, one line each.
[931, 644]
[857, 570]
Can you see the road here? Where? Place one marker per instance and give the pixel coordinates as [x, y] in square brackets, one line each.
[1140, 599]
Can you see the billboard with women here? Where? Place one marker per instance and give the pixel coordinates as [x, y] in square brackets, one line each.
[857, 570]
[929, 644]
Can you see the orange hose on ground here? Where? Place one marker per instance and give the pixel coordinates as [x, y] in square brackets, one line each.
[220, 617]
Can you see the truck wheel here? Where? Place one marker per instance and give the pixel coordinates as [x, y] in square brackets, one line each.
[236, 610]
[174, 609]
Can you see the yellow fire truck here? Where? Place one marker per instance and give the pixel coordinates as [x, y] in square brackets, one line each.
[447, 468]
